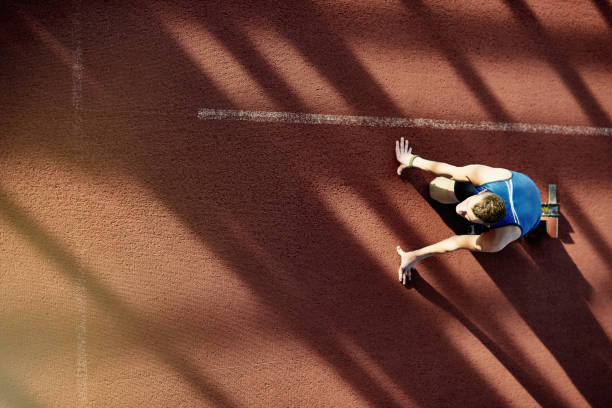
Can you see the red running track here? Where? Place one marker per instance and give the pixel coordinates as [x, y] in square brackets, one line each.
[153, 259]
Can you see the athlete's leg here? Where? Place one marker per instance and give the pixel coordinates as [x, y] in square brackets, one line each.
[442, 189]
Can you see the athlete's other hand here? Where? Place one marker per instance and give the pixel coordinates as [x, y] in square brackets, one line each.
[403, 154]
[408, 261]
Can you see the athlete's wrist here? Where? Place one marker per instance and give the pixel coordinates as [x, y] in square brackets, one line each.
[416, 161]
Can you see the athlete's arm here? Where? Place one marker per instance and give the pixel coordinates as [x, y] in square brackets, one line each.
[409, 259]
[439, 168]
[470, 242]
[491, 241]
[404, 155]
[478, 174]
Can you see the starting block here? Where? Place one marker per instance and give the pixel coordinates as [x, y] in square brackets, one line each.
[549, 221]
[550, 213]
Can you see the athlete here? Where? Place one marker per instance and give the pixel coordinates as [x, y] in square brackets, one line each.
[505, 203]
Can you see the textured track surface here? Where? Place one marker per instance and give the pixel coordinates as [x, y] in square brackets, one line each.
[149, 258]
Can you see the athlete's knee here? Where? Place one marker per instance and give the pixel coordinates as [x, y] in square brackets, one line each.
[439, 184]
[441, 189]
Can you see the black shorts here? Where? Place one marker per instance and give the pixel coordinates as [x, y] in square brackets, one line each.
[463, 190]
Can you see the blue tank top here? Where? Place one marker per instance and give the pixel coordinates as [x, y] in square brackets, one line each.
[522, 198]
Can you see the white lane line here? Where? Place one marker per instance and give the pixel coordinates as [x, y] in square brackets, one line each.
[381, 121]
[77, 134]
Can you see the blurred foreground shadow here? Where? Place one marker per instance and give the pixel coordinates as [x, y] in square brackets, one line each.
[128, 318]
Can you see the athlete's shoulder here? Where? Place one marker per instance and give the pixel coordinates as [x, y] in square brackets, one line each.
[522, 178]
[480, 174]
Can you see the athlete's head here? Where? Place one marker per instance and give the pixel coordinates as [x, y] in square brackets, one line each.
[482, 208]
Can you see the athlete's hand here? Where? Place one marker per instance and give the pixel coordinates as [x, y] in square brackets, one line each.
[403, 154]
[409, 259]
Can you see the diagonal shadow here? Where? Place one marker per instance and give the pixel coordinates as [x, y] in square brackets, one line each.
[539, 390]
[366, 188]
[552, 298]
[458, 60]
[129, 68]
[605, 10]
[603, 249]
[16, 396]
[233, 36]
[225, 250]
[180, 186]
[258, 66]
[330, 273]
[179, 193]
[383, 25]
[184, 367]
[126, 316]
[183, 212]
[559, 62]
[325, 306]
[322, 47]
